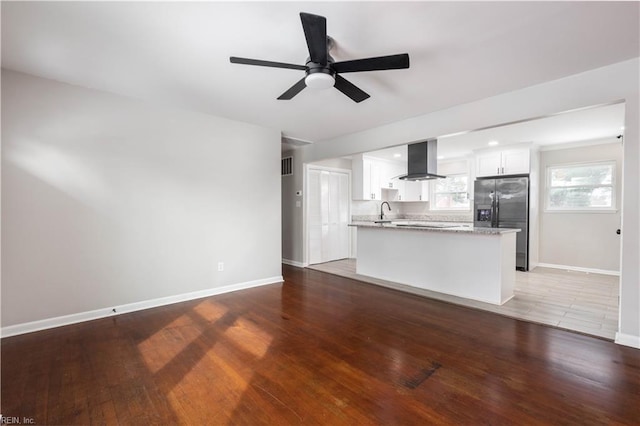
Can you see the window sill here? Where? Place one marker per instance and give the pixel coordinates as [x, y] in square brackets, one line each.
[583, 211]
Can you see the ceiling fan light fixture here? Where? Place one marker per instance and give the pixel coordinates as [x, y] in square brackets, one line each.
[319, 80]
[321, 70]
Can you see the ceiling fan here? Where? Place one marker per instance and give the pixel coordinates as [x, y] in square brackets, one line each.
[321, 71]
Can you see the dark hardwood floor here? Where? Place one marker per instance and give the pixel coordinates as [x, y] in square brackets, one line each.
[317, 349]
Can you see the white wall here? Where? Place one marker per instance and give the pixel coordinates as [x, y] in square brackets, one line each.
[629, 332]
[581, 239]
[108, 201]
[603, 85]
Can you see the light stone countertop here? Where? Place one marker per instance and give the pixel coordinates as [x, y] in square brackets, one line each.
[435, 227]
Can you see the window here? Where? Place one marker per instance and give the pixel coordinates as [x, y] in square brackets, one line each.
[588, 186]
[450, 193]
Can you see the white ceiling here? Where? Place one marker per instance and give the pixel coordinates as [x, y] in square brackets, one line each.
[177, 53]
[591, 125]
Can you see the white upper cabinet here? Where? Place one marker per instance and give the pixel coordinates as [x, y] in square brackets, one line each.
[365, 178]
[488, 164]
[405, 190]
[505, 162]
[378, 179]
[393, 184]
[373, 171]
[416, 191]
[387, 172]
[515, 161]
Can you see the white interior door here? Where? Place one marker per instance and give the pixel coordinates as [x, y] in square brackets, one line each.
[338, 237]
[327, 215]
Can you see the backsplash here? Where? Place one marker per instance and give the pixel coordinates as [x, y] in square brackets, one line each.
[427, 218]
[370, 210]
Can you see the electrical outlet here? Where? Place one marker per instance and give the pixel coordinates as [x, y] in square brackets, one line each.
[220, 266]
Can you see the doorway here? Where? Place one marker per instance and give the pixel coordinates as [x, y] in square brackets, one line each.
[328, 205]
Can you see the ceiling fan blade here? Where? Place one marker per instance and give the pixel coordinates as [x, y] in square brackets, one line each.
[380, 63]
[293, 90]
[246, 61]
[315, 31]
[349, 89]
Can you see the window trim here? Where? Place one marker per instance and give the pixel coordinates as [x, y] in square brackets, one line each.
[432, 196]
[613, 185]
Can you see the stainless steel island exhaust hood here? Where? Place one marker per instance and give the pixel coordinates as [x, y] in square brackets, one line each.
[422, 163]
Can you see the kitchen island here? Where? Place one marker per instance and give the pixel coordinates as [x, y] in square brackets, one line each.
[463, 261]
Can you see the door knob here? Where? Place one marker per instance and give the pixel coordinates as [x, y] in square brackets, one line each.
[618, 232]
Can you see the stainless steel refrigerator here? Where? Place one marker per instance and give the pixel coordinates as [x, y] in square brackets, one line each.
[504, 203]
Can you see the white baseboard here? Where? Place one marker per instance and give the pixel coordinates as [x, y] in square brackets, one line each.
[294, 263]
[628, 340]
[28, 327]
[579, 269]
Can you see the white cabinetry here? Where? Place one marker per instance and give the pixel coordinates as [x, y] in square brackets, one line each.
[505, 162]
[397, 190]
[365, 178]
[488, 164]
[394, 186]
[405, 190]
[416, 191]
[374, 179]
[372, 171]
[387, 172]
[515, 161]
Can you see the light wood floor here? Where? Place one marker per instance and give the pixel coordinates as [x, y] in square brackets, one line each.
[317, 349]
[577, 301]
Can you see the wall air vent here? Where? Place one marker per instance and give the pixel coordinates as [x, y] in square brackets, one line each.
[286, 166]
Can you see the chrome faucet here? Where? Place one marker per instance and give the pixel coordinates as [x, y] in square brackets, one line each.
[382, 211]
